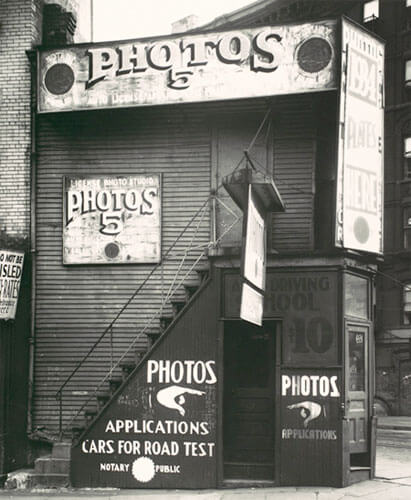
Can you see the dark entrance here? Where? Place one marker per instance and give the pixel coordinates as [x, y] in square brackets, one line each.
[249, 393]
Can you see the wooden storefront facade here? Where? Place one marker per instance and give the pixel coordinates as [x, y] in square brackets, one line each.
[204, 398]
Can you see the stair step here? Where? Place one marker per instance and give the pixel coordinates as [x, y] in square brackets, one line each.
[89, 415]
[126, 369]
[177, 306]
[114, 384]
[61, 450]
[52, 465]
[190, 290]
[102, 400]
[28, 478]
[165, 322]
[203, 273]
[77, 431]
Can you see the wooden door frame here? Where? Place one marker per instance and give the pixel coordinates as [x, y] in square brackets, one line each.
[277, 407]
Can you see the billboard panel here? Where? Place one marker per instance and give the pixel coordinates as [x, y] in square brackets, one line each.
[359, 216]
[193, 68]
[112, 220]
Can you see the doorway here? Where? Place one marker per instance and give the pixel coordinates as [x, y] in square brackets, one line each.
[249, 394]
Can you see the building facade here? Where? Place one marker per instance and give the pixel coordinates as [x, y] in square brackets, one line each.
[140, 349]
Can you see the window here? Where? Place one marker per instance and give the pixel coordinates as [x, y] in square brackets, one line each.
[408, 3]
[407, 157]
[371, 11]
[408, 73]
[407, 303]
[406, 214]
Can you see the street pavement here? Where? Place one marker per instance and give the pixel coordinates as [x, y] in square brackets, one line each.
[392, 482]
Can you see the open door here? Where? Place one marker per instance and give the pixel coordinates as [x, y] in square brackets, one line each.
[357, 385]
[249, 393]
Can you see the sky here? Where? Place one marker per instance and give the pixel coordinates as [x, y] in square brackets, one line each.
[120, 19]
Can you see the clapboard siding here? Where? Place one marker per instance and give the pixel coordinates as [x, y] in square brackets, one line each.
[76, 303]
[294, 157]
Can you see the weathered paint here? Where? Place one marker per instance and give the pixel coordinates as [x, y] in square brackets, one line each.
[161, 430]
[213, 66]
[360, 142]
[11, 271]
[112, 219]
[307, 303]
[310, 425]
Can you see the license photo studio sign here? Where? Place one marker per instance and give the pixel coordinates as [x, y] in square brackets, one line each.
[359, 217]
[194, 68]
[112, 219]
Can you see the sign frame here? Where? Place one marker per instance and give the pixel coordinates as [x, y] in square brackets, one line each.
[119, 247]
[70, 79]
[10, 284]
[359, 216]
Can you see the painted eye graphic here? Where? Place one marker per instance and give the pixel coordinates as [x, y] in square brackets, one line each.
[308, 410]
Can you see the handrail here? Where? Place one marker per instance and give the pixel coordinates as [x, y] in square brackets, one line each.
[172, 289]
[131, 298]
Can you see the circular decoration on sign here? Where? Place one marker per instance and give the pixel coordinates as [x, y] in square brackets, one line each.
[143, 469]
[111, 250]
[361, 229]
[314, 54]
[59, 79]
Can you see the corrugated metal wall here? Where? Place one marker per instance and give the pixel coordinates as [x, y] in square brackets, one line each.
[76, 303]
[294, 156]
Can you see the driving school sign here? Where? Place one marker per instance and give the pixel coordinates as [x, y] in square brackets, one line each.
[205, 67]
[112, 219]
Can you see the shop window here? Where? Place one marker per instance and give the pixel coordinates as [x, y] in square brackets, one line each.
[407, 303]
[408, 73]
[356, 296]
[407, 158]
[406, 214]
[371, 11]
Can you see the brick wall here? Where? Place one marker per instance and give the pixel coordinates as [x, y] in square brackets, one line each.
[20, 30]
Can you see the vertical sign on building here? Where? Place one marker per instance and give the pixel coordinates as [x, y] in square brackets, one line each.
[254, 263]
[359, 214]
[11, 270]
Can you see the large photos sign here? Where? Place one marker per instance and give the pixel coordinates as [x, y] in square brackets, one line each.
[112, 220]
[202, 67]
[359, 219]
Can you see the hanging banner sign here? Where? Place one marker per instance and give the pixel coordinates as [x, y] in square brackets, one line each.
[359, 217]
[194, 68]
[253, 263]
[11, 270]
[255, 244]
[112, 220]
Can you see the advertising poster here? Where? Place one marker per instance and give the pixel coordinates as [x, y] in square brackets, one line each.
[11, 270]
[194, 68]
[112, 220]
[359, 220]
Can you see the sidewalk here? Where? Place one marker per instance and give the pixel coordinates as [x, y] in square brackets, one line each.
[396, 423]
[393, 482]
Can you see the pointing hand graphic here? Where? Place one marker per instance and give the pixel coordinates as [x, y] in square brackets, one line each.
[309, 410]
[172, 397]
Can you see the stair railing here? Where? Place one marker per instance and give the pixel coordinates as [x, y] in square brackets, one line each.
[175, 285]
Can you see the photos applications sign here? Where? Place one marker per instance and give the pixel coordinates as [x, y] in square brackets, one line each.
[359, 222]
[112, 219]
[203, 67]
